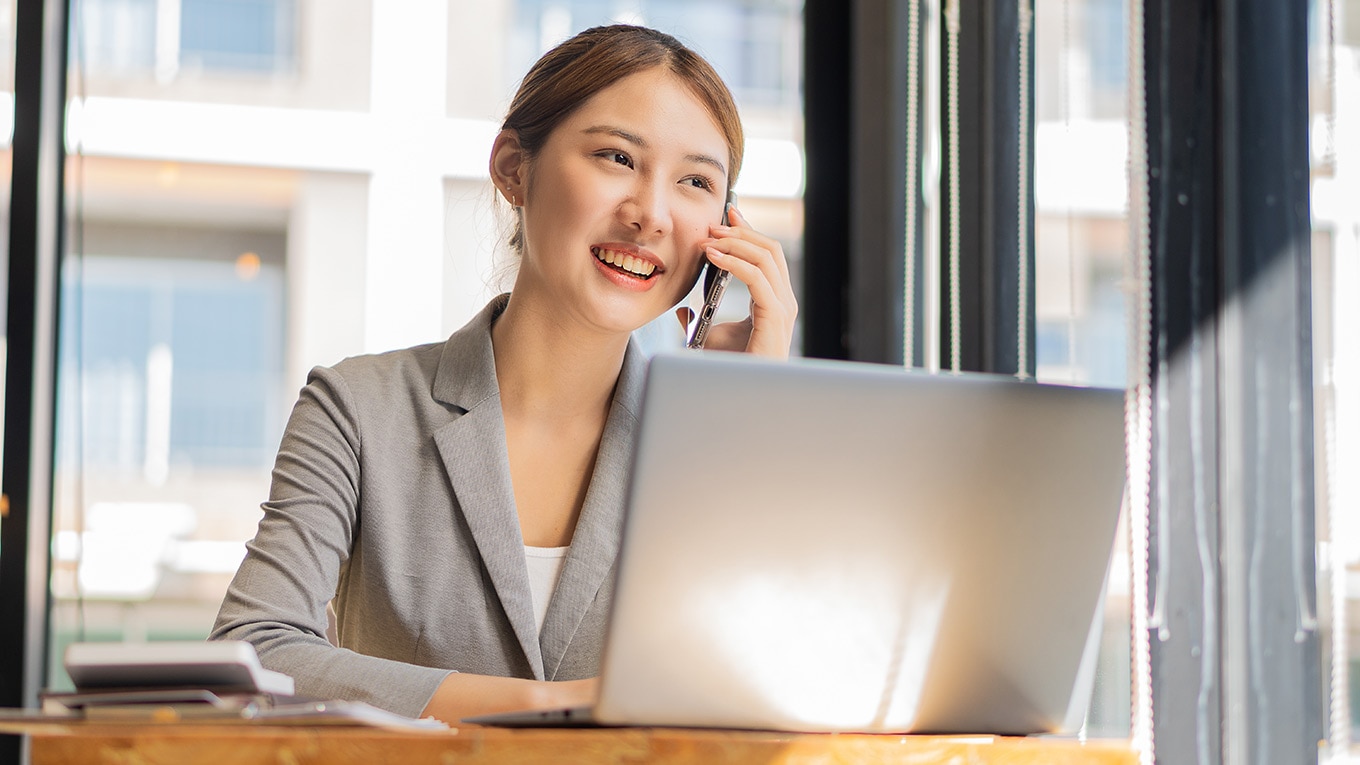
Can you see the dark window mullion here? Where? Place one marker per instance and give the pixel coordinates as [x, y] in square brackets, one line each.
[1233, 637]
[981, 293]
[856, 252]
[1183, 509]
[31, 353]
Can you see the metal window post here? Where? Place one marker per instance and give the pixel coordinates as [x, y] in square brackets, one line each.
[859, 182]
[1232, 617]
[35, 237]
[987, 293]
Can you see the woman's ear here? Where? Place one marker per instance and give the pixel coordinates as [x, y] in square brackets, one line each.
[508, 166]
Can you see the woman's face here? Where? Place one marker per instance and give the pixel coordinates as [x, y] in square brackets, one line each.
[618, 202]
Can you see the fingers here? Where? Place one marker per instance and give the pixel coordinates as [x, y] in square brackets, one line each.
[766, 256]
[772, 244]
[759, 262]
[764, 294]
[742, 231]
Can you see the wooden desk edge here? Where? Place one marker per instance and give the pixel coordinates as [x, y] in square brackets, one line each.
[152, 744]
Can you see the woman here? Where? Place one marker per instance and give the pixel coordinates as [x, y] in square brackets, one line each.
[461, 501]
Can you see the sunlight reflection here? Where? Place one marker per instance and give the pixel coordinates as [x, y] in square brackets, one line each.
[858, 663]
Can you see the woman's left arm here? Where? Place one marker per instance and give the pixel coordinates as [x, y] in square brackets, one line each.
[759, 262]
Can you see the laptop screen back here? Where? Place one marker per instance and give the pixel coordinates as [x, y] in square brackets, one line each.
[831, 546]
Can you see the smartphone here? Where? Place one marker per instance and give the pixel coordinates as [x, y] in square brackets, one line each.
[715, 284]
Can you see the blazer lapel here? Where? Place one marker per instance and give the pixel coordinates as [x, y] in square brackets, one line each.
[472, 448]
[595, 542]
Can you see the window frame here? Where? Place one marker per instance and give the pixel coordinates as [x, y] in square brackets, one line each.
[35, 246]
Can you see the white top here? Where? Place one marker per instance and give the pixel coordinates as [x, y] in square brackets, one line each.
[545, 564]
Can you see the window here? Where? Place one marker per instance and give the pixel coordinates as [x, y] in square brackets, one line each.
[237, 35]
[754, 44]
[117, 35]
[1334, 73]
[1081, 240]
[228, 237]
[179, 360]
[136, 37]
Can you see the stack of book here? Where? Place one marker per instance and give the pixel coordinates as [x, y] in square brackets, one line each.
[167, 681]
[219, 682]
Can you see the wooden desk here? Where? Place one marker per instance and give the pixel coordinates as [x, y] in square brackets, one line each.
[150, 744]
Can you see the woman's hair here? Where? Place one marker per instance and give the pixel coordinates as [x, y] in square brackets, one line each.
[574, 71]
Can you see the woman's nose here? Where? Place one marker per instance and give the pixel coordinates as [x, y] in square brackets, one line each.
[647, 210]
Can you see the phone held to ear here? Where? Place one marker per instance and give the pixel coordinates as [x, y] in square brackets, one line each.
[715, 284]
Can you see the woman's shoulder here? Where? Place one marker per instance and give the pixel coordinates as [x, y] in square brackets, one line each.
[418, 361]
[377, 370]
[426, 367]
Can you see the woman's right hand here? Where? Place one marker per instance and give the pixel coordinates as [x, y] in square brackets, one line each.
[462, 695]
[759, 262]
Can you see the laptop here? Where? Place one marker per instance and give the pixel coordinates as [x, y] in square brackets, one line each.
[831, 546]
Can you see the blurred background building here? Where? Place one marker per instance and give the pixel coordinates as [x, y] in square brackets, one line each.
[256, 187]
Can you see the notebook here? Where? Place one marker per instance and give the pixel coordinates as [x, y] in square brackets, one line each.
[829, 546]
[229, 665]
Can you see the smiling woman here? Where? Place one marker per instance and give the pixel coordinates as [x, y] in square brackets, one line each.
[460, 502]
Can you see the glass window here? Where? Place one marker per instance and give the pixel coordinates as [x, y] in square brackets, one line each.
[1081, 247]
[1081, 241]
[191, 347]
[117, 35]
[1334, 97]
[754, 44]
[139, 36]
[227, 237]
[245, 35]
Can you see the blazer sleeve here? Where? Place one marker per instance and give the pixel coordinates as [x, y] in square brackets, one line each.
[277, 600]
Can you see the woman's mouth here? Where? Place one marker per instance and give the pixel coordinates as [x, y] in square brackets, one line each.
[625, 262]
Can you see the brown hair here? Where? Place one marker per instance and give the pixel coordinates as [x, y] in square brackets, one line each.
[569, 74]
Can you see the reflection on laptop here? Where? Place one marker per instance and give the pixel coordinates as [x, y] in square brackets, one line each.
[859, 548]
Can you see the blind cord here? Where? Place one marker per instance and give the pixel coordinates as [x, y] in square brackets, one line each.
[1339, 724]
[1138, 395]
[1026, 23]
[913, 180]
[952, 25]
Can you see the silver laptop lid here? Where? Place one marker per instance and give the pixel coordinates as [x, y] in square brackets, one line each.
[831, 546]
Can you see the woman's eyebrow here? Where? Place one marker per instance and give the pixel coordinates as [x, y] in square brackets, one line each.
[707, 160]
[617, 132]
[641, 142]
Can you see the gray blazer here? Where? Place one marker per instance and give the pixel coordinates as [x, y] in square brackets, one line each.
[391, 494]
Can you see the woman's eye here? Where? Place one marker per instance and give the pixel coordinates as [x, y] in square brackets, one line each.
[699, 182]
[618, 158]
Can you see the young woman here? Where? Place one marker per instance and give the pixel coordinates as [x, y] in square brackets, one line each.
[460, 502]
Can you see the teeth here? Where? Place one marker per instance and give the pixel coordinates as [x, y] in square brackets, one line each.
[626, 262]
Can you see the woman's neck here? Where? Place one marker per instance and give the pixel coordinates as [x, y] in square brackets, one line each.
[549, 368]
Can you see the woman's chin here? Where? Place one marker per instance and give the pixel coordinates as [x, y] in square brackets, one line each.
[628, 311]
